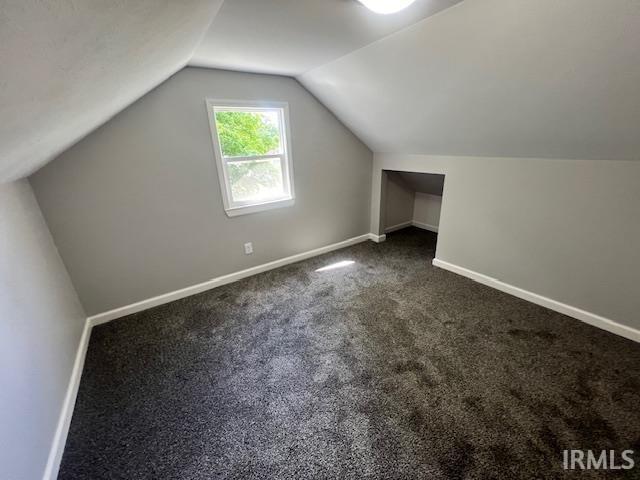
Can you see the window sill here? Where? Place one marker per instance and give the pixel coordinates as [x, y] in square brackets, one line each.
[259, 207]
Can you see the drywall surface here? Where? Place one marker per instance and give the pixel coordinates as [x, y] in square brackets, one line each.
[564, 229]
[136, 209]
[515, 78]
[289, 37]
[68, 66]
[424, 182]
[426, 209]
[41, 322]
[399, 201]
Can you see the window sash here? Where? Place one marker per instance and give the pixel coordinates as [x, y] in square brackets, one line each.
[231, 206]
[252, 158]
[286, 187]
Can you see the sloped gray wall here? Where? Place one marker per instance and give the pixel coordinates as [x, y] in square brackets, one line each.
[41, 323]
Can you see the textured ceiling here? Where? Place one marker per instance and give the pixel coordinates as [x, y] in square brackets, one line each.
[516, 78]
[432, 183]
[289, 37]
[68, 66]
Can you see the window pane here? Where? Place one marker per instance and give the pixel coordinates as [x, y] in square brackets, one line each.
[256, 180]
[244, 134]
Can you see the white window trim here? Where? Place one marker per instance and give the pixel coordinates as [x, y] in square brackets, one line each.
[234, 209]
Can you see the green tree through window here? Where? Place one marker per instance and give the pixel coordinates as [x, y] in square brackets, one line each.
[245, 134]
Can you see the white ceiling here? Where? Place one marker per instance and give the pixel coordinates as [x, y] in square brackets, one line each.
[68, 66]
[289, 37]
[519, 78]
[431, 183]
[511, 78]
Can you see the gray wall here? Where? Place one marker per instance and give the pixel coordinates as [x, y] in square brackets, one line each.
[41, 322]
[398, 201]
[426, 209]
[564, 229]
[136, 211]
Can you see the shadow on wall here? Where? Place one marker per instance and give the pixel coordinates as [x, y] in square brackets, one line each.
[411, 198]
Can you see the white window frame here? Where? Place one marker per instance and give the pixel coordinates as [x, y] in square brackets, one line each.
[231, 207]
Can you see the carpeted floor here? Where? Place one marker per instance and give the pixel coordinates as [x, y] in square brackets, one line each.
[384, 368]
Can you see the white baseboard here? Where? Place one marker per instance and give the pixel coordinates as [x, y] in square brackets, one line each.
[223, 280]
[415, 223]
[425, 226]
[62, 429]
[399, 226]
[583, 315]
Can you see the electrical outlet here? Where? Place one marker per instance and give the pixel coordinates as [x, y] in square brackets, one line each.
[248, 248]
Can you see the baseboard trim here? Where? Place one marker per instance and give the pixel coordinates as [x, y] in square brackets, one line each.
[414, 223]
[575, 312]
[399, 226]
[62, 429]
[425, 226]
[64, 421]
[223, 280]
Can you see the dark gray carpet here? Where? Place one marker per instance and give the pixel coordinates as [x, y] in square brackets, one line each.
[387, 368]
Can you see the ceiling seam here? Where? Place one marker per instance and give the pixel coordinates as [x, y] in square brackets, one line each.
[378, 40]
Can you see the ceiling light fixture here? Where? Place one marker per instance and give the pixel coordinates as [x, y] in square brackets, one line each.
[386, 6]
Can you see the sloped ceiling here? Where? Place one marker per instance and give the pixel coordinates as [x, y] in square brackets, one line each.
[431, 183]
[516, 78]
[289, 37]
[68, 66]
[512, 78]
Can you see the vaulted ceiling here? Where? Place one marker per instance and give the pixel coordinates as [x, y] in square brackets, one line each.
[431, 183]
[516, 78]
[68, 66]
[508, 78]
[290, 37]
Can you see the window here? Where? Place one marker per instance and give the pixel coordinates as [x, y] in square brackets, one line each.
[252, 150]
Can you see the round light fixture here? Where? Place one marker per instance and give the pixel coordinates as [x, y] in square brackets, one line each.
[386, 6]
